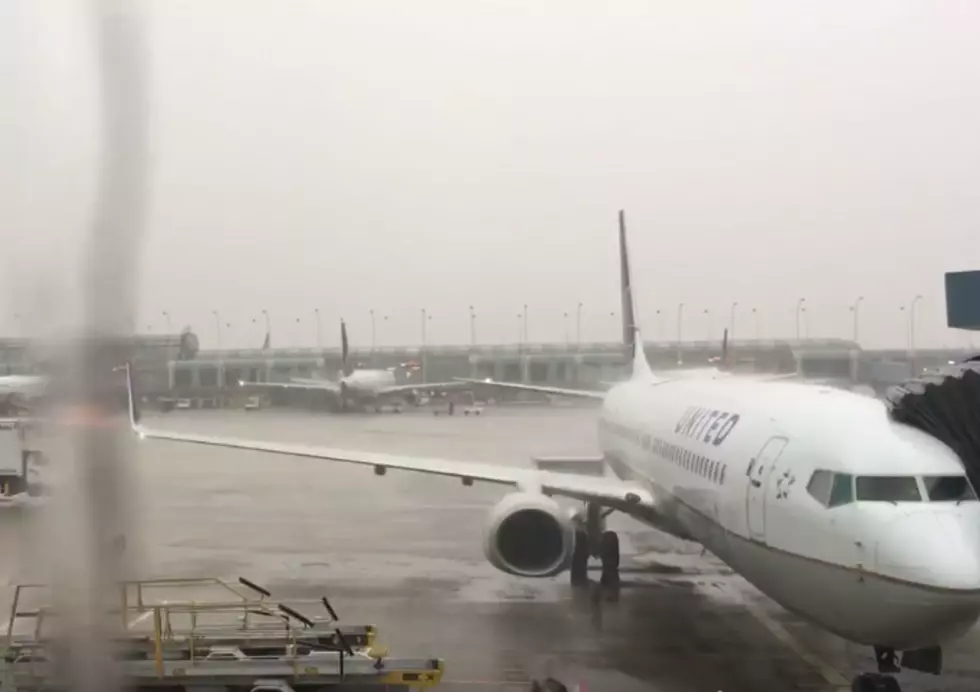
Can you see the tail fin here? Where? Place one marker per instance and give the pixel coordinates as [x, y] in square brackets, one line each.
[632, 339]
[344, 349]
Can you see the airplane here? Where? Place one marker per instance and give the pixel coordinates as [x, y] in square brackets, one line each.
[858, 523]
[364, 388]
[17, 392]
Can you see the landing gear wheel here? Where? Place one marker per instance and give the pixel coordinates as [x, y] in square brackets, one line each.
[875, 682]
[580, 559]
[609, 554]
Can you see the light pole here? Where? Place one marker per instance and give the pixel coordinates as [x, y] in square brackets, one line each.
[578, 325]
[912, 333]
[799, 309]
[565, 322]
[661, 332]
[425, 318]
[319, 333]
[680, 334]
[856, 310]
[758, 328]
[731, 327]
[905, 321]
[170, 328]
[374, 334]
[525, 323]
[472, 328]
[217, 326]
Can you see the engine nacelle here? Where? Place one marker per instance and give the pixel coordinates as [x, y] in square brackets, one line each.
[529, 535]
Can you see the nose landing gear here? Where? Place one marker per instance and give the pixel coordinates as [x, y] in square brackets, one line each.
[928, 660]
[875, 682]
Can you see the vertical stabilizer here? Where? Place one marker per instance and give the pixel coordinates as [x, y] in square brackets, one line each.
[632, 339]
[343, 349]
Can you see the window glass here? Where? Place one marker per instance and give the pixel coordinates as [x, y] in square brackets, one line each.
[888, 489]
[721, 477]
[842, 491]
[819, 486]
[948, 488]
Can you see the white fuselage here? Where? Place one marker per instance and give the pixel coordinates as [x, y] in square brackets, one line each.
[729, 462]
[25, 385]
[367, 383]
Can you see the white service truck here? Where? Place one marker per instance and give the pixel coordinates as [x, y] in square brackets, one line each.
[19, 465]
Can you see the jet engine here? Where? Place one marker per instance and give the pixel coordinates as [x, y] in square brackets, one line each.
[529, 535]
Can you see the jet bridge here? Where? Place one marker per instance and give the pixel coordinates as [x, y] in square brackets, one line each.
[946, 404]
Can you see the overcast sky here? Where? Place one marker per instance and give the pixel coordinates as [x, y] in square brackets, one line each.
[440, 154]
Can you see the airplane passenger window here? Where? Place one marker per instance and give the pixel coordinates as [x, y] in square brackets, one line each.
[888, 489]
[948, 488]
[842, 491]
[819, 486]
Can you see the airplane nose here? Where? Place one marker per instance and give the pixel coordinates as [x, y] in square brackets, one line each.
[938, 549]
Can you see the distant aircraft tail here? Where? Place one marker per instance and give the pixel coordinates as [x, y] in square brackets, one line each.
[632, 339]
[344, 350]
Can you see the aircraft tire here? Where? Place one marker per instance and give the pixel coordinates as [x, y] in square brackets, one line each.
[580, 559]
[609, 554]
[875, 682]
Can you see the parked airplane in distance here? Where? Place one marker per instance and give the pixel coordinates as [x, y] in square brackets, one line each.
[860, 524]
[359, 387]
[18, 392]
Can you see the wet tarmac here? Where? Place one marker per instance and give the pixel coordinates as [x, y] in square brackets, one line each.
[404, 552]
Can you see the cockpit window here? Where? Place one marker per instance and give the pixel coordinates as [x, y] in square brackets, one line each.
[948, 488]
[843, 491]
[888, 489]
[820, 485]
[831, 489]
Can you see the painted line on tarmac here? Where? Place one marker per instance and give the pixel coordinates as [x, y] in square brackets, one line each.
[833, 676]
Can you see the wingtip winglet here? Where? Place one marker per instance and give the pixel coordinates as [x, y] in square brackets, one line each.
[641, 367]
[132, 399]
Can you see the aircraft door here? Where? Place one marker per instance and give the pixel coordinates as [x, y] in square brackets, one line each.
[759, 473]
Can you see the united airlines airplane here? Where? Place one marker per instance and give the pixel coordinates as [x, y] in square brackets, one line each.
[860, 524]
[364, 388]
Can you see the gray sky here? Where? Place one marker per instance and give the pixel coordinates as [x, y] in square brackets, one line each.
[437, 154]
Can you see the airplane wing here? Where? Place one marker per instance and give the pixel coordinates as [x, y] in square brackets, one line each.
[608, 491]
[541, 389]
[401, 388]
[601, 394]
[309, 385]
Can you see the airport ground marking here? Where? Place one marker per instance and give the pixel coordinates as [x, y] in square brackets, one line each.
[833, 676]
